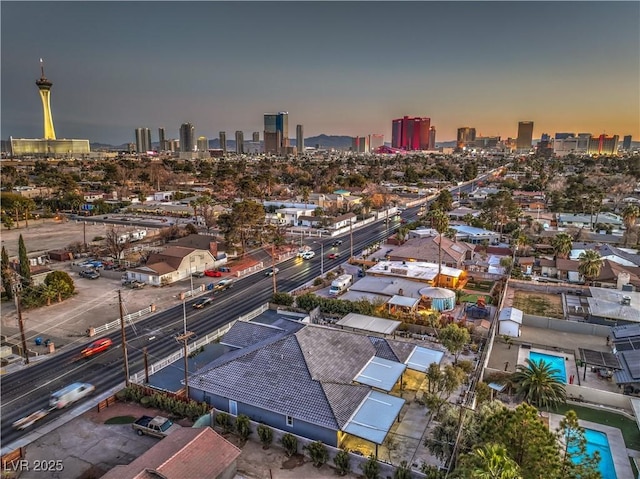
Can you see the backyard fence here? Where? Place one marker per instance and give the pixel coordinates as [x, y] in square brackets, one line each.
[116, 324]
[565, 326]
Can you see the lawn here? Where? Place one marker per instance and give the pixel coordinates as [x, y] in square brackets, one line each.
[628, 427]
[473, 298]
[539, 304]
[120, 420]
[479, 285]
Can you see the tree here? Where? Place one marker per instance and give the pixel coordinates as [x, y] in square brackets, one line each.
[116, 243]
[48, 292]
[7, 274]
[629, 215]
[242, 222]
[590, 264]
[499, 208]
[576, 463]
[444, 201]
[61, 283]
[440, 222]
[538, 384]
[526, 439]
[25, 268]
[562, 244]
[454, 338]
[488, 462]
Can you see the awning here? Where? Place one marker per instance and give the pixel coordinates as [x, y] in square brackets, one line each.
[374, 417]
[371, 324]
[403, 301]
[497, 387]
[420, 358]
[599, 359]
[380, 373]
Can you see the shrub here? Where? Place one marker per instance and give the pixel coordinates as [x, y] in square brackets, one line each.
[284, 299]
[243, 426]
[265, 434]
[318, 282]
[98, 238]
[318, 453]
[224, 421]
[290, 444]
[370, 468]
[466, 366]
[402, 471]
[146, 401]
[342, 461]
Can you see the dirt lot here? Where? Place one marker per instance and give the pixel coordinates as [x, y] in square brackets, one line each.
[89, 448]
[539, 304]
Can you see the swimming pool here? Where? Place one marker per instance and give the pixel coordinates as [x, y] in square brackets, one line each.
[556, 362]
[598, 441]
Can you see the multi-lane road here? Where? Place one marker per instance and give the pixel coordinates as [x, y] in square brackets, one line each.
[28, 390]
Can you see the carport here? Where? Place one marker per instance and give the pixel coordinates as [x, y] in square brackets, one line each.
[598, 359]
[380, 373]
[374, 417]
[404, 303]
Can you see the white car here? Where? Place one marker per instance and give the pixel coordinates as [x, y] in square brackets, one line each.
[308, 255]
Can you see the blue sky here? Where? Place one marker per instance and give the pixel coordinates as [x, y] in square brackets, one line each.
[343, 68]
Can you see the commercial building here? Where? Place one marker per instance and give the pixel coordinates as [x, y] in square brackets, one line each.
[603, 145]
[143, 140]
[566, 143]
[300, 139]
[162, 145]
[203, 143]
[626, 143]
[276, 132]
[525, 135]
[411, 133]
[466, 137]
[223, 142]
[360, 144]
[239, 142]
[256, 136]
[49, 145]
[187, 137]
[432, 137]
[376, 140]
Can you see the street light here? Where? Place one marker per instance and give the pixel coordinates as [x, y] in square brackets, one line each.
[321, 257]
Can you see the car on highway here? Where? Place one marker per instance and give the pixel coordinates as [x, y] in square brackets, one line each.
[333, 255]
[337, 243]
[96, 347]
[223, 285]
[198, 274]
[213, 273]
[308, 255]
[202, 302]
[89, 274]
[271, 271]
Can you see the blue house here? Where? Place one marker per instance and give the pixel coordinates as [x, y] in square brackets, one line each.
[314, 381]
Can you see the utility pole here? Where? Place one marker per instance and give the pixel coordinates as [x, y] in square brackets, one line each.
[273, 268]
[146, 365]
[184, 339]
[124, 341]
[351, 239]
[21, 324]
[84, 234]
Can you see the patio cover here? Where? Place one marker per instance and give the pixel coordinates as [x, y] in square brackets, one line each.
[369, 323]
[404, 301]
[374, 417]
[380, 373]
[420, 358]
[599, 359]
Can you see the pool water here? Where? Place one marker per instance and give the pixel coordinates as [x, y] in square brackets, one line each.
[598, 441]
[556, 362]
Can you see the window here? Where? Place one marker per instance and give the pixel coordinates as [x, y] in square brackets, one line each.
[289, 421]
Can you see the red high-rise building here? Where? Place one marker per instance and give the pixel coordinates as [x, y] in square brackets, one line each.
[410, 133]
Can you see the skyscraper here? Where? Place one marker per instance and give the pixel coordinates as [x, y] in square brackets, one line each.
[360, 144]
[276, 132]
[239, 142]
[466, 137]
[203, 143]
[376, 140]
[626, 142]
[161, 140]
[603, 145]
[525, 135]
[44, 86]
[300, 139]
[187, 137]
[256, 136]
[143, 140]
[411, 133]
[223, 142]
[432, 138]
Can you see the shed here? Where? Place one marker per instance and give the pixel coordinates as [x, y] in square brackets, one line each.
[509, 322]
[442, 299]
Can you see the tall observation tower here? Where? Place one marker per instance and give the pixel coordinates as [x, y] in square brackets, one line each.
[44, 85]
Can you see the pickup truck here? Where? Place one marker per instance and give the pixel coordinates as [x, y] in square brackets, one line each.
[154, 426]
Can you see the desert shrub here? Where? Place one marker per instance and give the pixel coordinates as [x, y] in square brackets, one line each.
[318, 453]
[370, 469]
[224, 421]
[243, 426]
[290, 444]
[318, 282]
[342, 461]
[403, 471]
[265, 434]
[285, 299]
[146, 401]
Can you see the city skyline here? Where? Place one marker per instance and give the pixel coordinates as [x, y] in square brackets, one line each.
[339, 68]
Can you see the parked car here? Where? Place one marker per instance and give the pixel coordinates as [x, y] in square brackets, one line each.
[202, 302]
[337, 243]
[133, 284]
[333, 255]
[154, 426]
[198, 274]
[96, 347]
[308, 255]
[89, 274]
[212, 273]
[271, 271]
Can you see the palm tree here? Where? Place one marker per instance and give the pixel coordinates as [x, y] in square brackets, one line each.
[440, 222]
[562, 244]
[629, 216]
[491, 461]
[538, 384]
[590, 264]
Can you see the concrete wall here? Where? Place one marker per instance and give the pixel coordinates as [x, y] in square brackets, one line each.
[597, 396]
[565, 326]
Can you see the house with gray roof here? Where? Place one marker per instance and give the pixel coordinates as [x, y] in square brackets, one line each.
[318, 382]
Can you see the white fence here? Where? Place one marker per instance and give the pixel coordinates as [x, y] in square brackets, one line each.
[251, 269]
[255, 313]
[116, 323]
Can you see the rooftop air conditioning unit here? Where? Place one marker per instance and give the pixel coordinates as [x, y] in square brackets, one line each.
[626, 300]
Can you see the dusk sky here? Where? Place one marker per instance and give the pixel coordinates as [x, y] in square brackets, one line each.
[337, 68]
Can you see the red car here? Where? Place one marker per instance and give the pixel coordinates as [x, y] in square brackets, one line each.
[212, 273]
[333, 255]
[96, 347]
